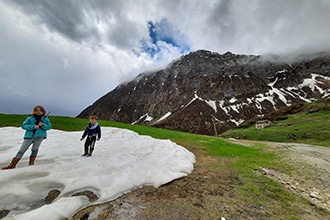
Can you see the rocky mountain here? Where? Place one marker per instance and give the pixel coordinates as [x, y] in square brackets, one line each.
[208, 93]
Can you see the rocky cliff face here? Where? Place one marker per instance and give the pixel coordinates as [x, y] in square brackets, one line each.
[208, 93]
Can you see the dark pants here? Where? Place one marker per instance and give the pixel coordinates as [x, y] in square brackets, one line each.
[90, 143]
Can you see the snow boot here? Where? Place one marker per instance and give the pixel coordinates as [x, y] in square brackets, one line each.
[32, 159]
[12, 164]
[85, 154]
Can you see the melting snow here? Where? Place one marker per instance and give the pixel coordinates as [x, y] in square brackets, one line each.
[122, 161]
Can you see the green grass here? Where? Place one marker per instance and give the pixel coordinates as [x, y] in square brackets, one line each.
[253, 188]
[304, 127]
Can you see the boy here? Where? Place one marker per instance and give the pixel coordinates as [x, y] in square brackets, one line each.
[93, 129]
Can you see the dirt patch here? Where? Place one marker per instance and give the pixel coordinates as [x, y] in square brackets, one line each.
[311, 179]
[209, 192]
[191, 197]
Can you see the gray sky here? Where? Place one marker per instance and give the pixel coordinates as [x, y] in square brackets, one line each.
[67, 54]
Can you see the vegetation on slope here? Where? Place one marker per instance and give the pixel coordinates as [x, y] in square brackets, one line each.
[304, 123]
[234, 168]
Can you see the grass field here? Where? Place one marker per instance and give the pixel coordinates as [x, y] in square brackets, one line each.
[304, 127]
[252, 188]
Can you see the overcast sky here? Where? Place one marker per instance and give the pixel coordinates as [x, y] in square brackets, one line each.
[65, 55]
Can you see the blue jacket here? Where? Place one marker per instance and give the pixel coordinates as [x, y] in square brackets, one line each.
[30, 132]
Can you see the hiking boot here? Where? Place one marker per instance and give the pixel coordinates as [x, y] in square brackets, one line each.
[12, 164]
[32, 159]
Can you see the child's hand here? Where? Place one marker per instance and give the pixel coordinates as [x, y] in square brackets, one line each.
[38, 125]
[81, 139]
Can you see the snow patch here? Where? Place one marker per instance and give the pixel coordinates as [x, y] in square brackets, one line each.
[163, 117]
[122, 161]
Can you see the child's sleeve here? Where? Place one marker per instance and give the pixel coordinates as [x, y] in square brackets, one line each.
[99, 133]
[28, 124]
[84, 134]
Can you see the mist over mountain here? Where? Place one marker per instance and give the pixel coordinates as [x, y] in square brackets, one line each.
[208, 93]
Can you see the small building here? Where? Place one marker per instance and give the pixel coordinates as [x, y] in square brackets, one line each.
[263, 124]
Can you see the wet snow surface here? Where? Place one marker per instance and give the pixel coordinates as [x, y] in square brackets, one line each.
[122, 161]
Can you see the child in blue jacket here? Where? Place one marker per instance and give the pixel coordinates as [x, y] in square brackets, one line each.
[93, 133]
[36, 126]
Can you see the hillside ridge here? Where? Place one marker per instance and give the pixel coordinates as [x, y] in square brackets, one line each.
[208, 93]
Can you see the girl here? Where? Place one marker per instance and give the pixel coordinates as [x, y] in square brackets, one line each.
[35, 126]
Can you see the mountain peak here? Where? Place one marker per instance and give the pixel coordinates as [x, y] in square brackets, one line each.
[205, 91]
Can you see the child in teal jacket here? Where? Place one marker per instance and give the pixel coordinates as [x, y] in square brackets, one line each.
[36, 126]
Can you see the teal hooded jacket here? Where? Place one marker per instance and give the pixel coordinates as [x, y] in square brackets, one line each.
[30, 132]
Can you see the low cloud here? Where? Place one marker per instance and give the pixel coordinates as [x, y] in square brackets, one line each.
[67, 54]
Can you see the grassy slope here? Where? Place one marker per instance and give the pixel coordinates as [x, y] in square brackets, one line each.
[253, 188]
[303, 127]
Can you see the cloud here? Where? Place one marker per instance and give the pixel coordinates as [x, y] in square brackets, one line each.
[67, 54]
[162, 35]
